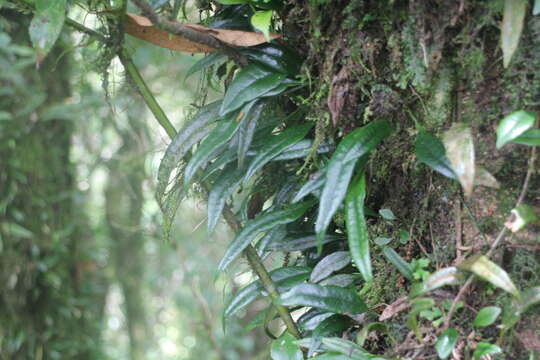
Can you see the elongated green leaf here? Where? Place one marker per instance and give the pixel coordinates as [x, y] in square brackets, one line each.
[514, 125]
[487, 316]
[224, 187]
[312, 318]
[315, 183]
[250, 83]
[330, 326]
[275, 146]
[446, 342]
[261, 21]
[481, 266]
[357, 232]
[332, 356]
[274, 56]
[246, 129]
[274, 235]
[299, 243]
[530, 137]
[329, 298]
[218, 137]
[341, 346]
[284, 348]
[46, 25]
[263, 222]
[431, 152]
[512, 26]
[206, 62]
[284, 278]
[333, 262]
[341, 280]
[302, 149]
[340, 168]
[459, 147]
[401, 265]
[483, 349]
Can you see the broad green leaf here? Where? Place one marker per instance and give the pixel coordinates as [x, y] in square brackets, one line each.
[284, 348]
[333, 262]
[483, 349]
[340, 168]
[312, 318]
[446, 342]
[341, 346]
[487, 316]
[263, 222]
[206, 62]
[217, 138]
[445, 276]
[315, 183]
[274, 146]
[299, 243]
[459, 147]
[521, 216]
[284, 278]
[341, 280]
[514, 125]
[481, 266]
[530, 137]
[331, 326]
[246, 129]
[431, 152]
[512, 26]
[261, 21]
[275, 57]
[302, 149]
[536, 8]
[225, 185]
[404, 236]
[387, 214]
[401, 265]
[357, 233]
[329, 298]
[250, 83]
[46, 25]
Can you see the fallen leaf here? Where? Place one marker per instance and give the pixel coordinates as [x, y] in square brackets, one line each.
[396, 307]
[459, 147]
[142, 28]
[484, 178]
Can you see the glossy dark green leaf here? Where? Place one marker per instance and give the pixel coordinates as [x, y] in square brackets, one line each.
[357, 233]
[263, 222]
[483, 349]
[46, 25]
[530, 137]
[481, 266]
[401, 265]
[246, 129]
[206, 62]
[514, 125]
[431, 152]
[333, 262]
[275, 57]
[341, 280]
[341, 346]
[274, 146]
[333, 325]
[302, 149]
[299, 243]
[329, 298]
[217, 138]
[249, 84]
[225, 185]
[340, 168]
[512, 26]
[446, 342]
[276, 234]
[284, 348]
[284, 278]
[487, 316]
[316, 182]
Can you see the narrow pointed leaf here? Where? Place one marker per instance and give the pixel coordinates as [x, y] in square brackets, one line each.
[329, 298]
[401, 265]
[341, 280]
[284, 348]
[530, 137]
[446, 342]
[226, 184]
[206, 62]
[514, 125]
[299, 243]
[481, 266]
[312, 318]
[333, 262]
[431, 152]
[46, 25]
[341, 346]
[263, 222]
[316, 182]
[357, 233]
[340, 168]
[275, 146]
[302, 149]
[274, 235]
[483, 349]
[274, 56]
[246, 129]
[512, 26]
[459, 147]
[487, 316]
[218, 137]
[250, 83]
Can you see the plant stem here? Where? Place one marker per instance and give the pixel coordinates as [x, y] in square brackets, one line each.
[253, 258]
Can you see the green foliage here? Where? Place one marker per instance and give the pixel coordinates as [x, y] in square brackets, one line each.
[446, 342]
[514, 125]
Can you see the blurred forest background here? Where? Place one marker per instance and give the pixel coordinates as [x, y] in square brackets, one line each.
[84, 269]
